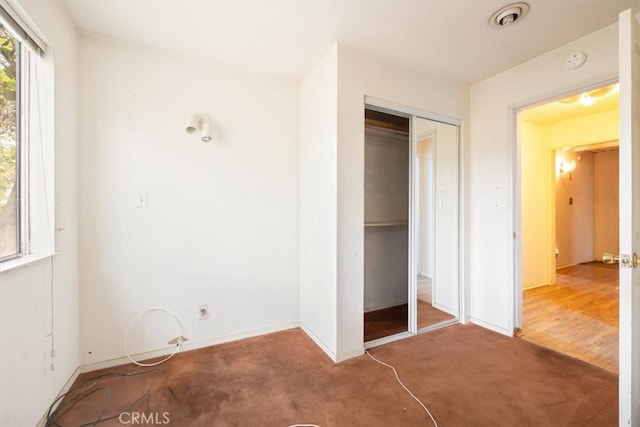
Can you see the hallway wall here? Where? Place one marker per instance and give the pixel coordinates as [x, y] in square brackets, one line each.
[606, 210]
[575, 227]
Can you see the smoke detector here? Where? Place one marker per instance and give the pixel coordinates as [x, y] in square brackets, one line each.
[509, 15]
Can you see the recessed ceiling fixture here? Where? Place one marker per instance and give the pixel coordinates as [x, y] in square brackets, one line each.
[589, 98]
[509, 14]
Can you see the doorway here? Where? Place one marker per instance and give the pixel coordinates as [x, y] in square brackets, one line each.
[412, 226]
[568, 219]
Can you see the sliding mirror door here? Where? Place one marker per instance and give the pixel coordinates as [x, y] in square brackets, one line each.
[435, 230]
[411, 224]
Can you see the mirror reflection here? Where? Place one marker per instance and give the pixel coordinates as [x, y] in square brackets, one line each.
[436, 189]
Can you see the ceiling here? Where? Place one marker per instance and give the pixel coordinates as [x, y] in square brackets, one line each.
[605, 99]
[450, 39]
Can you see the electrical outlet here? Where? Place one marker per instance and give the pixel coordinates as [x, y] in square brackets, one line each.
[203, 311]
[142, 199]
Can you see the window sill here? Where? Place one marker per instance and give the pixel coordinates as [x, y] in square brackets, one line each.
[23, 261]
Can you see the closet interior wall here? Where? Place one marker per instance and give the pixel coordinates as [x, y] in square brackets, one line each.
[386, 241]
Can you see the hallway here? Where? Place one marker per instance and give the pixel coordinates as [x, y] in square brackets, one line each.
[578, 315]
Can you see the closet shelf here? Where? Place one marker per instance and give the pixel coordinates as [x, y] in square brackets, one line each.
[385, 223]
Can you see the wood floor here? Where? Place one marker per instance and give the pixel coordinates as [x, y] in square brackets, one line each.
[578, 315]
[394, 320]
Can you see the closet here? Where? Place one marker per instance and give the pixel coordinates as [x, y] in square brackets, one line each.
[411, 224]
[386, 224]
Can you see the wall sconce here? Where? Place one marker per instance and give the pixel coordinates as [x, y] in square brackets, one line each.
[202, 123]
[567, 167]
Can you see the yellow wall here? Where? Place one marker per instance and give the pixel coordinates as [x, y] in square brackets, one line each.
[536, 170]
[589, 129]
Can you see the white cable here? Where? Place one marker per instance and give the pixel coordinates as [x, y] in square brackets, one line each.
[137, 318]
[405, 387]
[304, 425]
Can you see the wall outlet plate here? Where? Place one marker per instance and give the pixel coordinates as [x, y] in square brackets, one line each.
[203, 312]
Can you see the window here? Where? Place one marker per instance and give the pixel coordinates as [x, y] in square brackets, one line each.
[26, 154]
[10, 149]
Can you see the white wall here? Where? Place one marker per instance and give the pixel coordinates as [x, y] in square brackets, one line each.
[446, 280]
[27, 384]
[386, 198]
[425, 150]
[318, 192]
[221, 226]
[491, 171]
[359, 75]
[386, 252]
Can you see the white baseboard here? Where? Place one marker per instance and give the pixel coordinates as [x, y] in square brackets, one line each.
[386, 305]
[319, 342]
[187, 346]
[350, 354]
[491, 327]
[448, 310]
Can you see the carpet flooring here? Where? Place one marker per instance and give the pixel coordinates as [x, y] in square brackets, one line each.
[467, 376]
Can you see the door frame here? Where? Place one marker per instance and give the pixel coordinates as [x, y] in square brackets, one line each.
[517, 191]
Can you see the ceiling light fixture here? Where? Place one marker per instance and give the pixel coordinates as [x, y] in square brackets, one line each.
[509, 15]
[589, 98]
[586, 100]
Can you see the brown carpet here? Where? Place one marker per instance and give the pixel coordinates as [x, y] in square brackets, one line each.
[467, 376]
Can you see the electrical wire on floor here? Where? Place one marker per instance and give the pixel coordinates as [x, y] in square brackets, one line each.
[304, 425]
[405, 387]
[54, 416]
[178, 340]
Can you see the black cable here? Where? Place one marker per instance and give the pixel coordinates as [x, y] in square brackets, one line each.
[107, 400]
[53, 421]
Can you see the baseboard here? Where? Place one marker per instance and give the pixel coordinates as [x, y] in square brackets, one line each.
[319, 342]
[447, 310]
[382, 307]
[534, 286]
[65, 389]
[558, 267]
[350, 354]
[491, 327]
[187, 346]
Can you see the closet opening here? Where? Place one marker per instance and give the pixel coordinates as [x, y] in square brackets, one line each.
[386, 224]
[411, 223]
